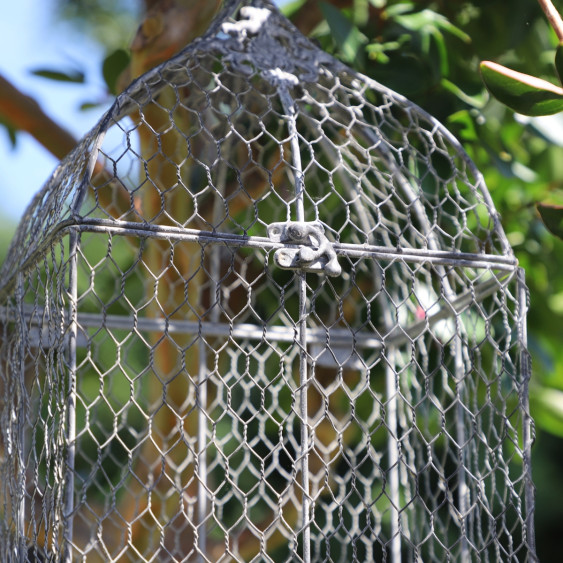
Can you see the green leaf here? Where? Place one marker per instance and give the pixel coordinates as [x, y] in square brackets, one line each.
[464, 121]
[547, 405]
[521, 92]
[12, 133]
[555, 302]
[559, 61]
[291, 7]
[397, 9]
[428, 25]
[75, 76]
[114, 64]
[428, 21]
[360, 12]
[552, 217]
[85, 106]
[346, 35]
[477, 101]
[377, 51]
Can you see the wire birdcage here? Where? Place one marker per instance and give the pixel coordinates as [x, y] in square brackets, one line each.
[265, 311]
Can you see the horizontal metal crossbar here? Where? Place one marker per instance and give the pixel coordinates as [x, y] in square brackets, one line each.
[420, 255]
[41, 332]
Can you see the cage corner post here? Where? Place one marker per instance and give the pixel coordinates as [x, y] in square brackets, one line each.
[18, 418]
[302, 407]
[527, 422]
[70, 407]
[202, 468]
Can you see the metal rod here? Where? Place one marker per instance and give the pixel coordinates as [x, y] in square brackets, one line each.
[302, 400]
[462, 488]
[19, 444]
[291, 115]
[395, 335]
[304, 415]
[392, 388]
[437, 257]
[454, 258]
[70, 434]
[201, 395]
[506, 262]
[215, 271]
[527, 423]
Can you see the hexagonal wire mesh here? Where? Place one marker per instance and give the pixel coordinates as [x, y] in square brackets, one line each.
[264, 311]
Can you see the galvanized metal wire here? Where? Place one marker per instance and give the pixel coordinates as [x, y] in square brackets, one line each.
[265, 311]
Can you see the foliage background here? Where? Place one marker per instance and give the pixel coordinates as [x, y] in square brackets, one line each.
[429, 51]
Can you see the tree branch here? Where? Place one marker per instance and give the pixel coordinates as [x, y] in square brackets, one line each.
[553, 16]
[24, 113]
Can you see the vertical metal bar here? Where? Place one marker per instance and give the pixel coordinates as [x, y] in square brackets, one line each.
[202, 451]
[463, 490]
[306, 504]
[19, 420]
[392, 389]
[291, 115]
[304, 415]
[527, 423]
[215, 272]
[70, 434]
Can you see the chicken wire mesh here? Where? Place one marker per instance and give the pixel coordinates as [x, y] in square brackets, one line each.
[265, 311]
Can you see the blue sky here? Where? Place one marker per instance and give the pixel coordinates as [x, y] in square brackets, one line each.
[31, 38]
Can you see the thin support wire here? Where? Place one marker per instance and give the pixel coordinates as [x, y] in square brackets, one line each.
[215, 273]
[527, 424]
[70, 437]
[20, 449]
[392, 388]
[202, 450]
[290, 112]
[303, 412]
[463, 489]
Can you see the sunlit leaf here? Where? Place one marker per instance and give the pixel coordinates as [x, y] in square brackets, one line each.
[521, 92]
[359, 12]
[291, 7]
[477, 101]
[346, 35]
[114, 64]
[555, 302]
[378, 51]
[397, 9]
[428, 21]
[547, 405]
[552, 217]
[429, 25]
[85, 106]
[75, 76]
[466, 125]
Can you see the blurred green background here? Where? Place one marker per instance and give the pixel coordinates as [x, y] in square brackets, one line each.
[429, 52]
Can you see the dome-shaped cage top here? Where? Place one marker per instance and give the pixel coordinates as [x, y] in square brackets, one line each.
[252, 125]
